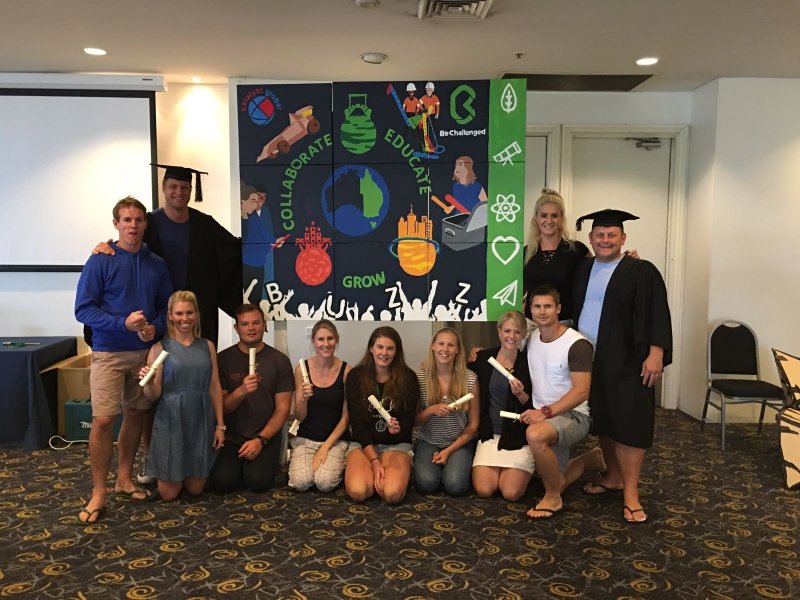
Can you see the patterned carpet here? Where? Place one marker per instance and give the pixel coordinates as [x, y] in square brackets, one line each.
[720, 526]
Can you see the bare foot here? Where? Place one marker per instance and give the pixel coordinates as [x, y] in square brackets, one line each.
[545, 509]
[634, 515]
[594, 488]
[92, 512]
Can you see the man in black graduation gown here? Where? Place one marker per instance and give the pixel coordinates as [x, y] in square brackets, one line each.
[201, 255]
[621, 307]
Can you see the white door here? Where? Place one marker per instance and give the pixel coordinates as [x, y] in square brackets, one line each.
[614, 173]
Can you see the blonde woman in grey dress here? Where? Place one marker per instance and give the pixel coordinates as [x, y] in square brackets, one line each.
[188, 426]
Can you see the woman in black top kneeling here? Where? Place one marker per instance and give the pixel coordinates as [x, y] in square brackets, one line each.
[379, 458]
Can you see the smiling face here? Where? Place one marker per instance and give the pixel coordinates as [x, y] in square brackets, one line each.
[383, 352]
[250, 326]
[510, 334]
[445, 348]
[607, 242]
[183, 317]
[549, 219]
[131, 226]
[325, 342]
[176, 193]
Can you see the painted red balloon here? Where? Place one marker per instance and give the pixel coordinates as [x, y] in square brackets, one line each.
[313, 265]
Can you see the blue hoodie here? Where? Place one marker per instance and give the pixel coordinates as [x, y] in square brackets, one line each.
[112, 287]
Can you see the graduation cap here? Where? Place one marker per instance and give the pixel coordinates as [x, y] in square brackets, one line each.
[608, 217]
[184, 174]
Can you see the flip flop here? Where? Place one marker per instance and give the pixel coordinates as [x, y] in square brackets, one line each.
[97, 511]
[604, 488]
[550, 512]
[633, 512]
[132, 495]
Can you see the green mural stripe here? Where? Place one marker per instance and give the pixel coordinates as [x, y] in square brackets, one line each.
[504, 248]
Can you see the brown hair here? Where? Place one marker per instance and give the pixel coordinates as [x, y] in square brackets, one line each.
[128, 202]
[397, 384]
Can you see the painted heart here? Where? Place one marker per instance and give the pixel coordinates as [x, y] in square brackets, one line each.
[501, 244]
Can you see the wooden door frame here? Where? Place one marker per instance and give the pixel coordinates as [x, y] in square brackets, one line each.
[676, 223]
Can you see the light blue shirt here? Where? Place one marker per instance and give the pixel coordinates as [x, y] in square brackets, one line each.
[589, 321]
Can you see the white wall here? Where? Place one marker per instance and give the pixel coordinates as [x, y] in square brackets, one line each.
[692, 337]
[609, 108]
[754, 274]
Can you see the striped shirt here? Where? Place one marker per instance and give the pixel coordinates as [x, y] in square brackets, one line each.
[442, 431]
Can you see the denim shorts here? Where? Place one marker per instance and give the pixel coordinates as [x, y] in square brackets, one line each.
[381, 448]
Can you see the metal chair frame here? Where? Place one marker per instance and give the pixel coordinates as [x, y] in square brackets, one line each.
[751, 369]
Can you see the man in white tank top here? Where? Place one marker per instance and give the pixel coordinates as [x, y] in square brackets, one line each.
[560, 362]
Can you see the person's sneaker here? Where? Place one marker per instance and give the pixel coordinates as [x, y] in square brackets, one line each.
[143, 477]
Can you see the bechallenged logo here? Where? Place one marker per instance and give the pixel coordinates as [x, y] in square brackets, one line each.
[457, 105]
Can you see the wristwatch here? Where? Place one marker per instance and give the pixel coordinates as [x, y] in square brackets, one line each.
[546, 411]
[263, 439]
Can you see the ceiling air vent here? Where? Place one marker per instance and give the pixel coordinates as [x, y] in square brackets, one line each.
[454, 10]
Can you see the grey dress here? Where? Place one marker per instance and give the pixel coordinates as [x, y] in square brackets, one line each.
[183, 427]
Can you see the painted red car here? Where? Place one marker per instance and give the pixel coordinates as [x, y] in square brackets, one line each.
[301, 123]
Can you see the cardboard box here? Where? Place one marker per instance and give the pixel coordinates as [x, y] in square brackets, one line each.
[78, 420]
[73, 382]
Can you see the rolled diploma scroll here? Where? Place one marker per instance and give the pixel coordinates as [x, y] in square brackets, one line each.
[503, 371]
[381, 411]
[463, 400]
[304, 371]
[154, 367]
[509, 415]
[252, 361]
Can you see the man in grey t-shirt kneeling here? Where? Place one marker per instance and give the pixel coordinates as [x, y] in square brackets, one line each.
[560, 363]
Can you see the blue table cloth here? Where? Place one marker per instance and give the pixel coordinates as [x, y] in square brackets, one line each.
[26, 419]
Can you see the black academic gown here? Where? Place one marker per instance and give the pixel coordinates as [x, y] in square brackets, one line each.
[635, 316]
[214, 272]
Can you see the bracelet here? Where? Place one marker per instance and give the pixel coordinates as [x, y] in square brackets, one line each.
[221, 427]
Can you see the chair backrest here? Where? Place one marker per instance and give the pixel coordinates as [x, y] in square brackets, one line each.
[732, 349]
[789, 372]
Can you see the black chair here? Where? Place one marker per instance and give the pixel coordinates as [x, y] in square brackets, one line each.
[733, 350]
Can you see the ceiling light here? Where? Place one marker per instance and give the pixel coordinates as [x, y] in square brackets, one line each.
[647, 61]
[373, 58]
[95, 51]
[366, 3]
[196, 79]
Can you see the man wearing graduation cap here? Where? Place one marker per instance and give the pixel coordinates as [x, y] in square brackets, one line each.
[201, 255]
[621, 307]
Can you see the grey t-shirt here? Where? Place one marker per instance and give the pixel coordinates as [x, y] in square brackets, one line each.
[275, 375]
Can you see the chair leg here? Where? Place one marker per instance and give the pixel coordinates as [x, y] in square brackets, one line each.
[705, 410]
[761, 418]
[722, 419]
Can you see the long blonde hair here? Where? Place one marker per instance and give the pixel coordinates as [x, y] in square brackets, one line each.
[534, 235]
[183, 296]
[458, 382]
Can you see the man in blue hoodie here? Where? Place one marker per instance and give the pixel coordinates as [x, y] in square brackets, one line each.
[123, 298]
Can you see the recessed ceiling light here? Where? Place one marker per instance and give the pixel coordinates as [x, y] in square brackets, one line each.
[367, 3]
[95, 51]
[196, 79]
[647, 61]
[373, 58]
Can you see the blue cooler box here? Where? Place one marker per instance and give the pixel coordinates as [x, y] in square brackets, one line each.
[78, 420]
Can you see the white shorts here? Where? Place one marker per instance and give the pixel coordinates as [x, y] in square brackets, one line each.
[487, 455]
